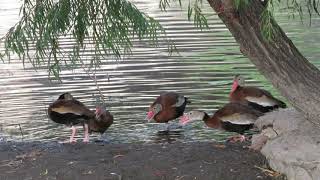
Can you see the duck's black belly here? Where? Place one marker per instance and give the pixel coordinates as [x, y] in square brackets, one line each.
[67, 118]
[239, 128]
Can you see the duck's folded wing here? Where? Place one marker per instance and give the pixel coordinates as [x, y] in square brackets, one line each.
[238, 118]
[262, 101]
[64, 107]
[180, 100]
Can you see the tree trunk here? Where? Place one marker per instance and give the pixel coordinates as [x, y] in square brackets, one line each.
[278, 60]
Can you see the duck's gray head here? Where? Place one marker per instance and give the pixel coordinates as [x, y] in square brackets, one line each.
[153, 111]
[191, 116]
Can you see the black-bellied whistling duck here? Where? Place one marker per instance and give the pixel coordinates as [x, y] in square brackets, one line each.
[69, 111]
[233, 117]
[102, 121]
[168, 106]
[257, 98]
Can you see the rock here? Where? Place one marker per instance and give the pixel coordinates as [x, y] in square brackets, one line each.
[282, 120]
[293, 145]
[258, 141]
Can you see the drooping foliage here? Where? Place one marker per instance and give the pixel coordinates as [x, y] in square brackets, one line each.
[105, 27]
[300, 8]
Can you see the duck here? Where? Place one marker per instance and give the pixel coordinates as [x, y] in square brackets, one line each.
[102, 121]
[232, 117]
[166, 107]
[257, 98]
[69, 111]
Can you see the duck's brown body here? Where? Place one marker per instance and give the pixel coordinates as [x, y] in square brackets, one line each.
[257, 98]
[101, 124]
[234, 117]
[168, 106]
[69, 111]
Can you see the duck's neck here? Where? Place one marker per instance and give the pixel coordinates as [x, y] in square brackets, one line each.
[212, 122]
[235, 85]
[206, 117]
[103, 117]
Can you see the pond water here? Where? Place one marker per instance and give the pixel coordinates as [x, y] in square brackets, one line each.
[203, 72]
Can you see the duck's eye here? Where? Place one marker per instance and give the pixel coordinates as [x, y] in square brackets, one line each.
[191, 113]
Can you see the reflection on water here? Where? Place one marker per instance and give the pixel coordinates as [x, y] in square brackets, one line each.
[204, 71]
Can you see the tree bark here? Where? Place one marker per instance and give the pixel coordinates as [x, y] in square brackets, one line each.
[278, 60]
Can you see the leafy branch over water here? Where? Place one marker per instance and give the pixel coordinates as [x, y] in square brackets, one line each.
[98, 27]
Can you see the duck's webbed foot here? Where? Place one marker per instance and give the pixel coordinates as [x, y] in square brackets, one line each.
[237, 138]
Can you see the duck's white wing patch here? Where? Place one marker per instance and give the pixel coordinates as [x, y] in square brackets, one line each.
[263, 101]
[237, 118]
[180, 101]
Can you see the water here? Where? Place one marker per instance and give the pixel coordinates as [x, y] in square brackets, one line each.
[204, 71]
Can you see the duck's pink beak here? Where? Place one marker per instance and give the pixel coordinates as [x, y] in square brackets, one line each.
[234, 85]
[150, 116]
[184, 120]
[98, 110]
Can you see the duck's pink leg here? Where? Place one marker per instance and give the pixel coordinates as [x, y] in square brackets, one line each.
[237, 138]
[86, 133]
[72, 140]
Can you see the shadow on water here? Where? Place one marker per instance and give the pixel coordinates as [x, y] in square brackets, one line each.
[204, 71]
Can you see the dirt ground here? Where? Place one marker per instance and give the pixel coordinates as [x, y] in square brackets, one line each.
[175, 161]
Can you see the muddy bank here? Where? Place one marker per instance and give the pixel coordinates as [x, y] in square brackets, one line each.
[183, 161]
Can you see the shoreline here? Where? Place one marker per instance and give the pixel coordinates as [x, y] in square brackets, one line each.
[181, 161]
